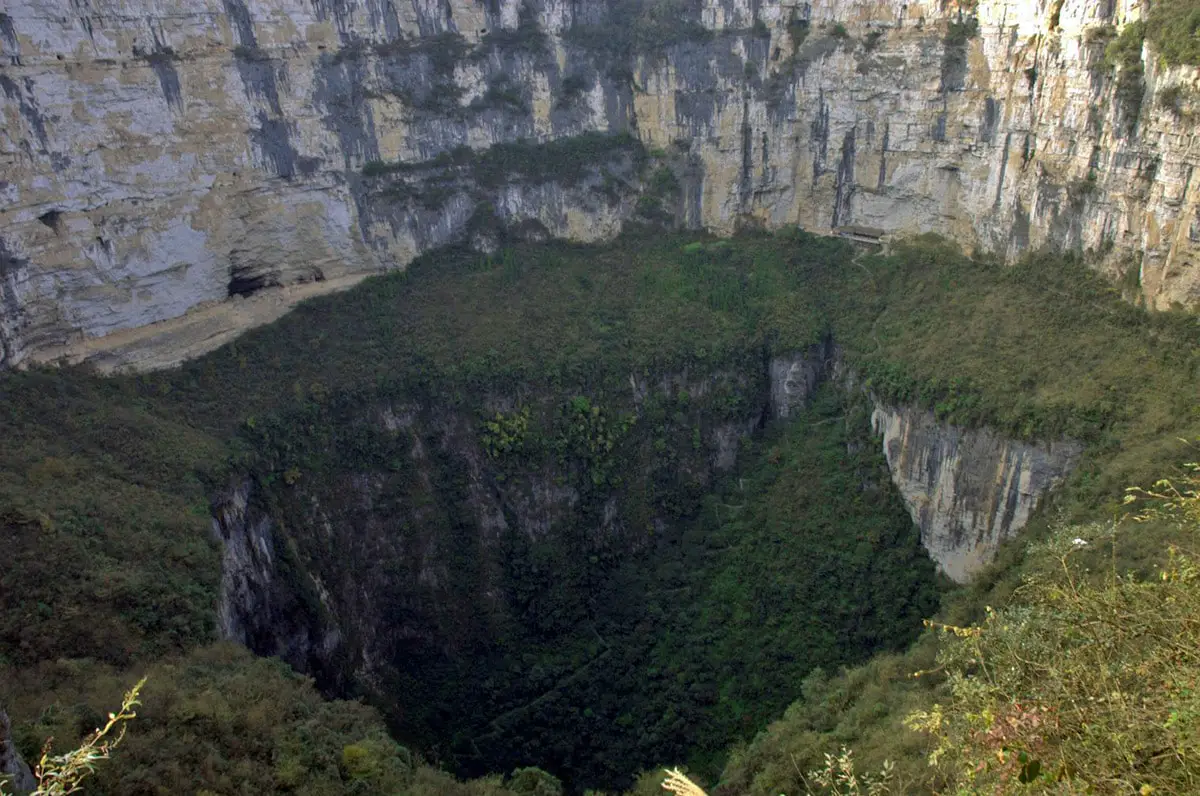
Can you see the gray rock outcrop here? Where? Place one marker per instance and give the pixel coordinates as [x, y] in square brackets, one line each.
[19, 776]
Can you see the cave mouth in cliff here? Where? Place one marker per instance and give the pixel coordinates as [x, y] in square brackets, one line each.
[52, 219]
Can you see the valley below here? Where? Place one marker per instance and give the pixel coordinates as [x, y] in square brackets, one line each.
[585, 508]
[518, 397]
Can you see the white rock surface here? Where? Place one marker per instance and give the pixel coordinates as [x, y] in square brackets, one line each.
[968, 490]
[158, 157]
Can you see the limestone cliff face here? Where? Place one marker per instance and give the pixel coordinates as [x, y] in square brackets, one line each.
[967, 489]
[12, 766]
[405, 533]
[175, 172]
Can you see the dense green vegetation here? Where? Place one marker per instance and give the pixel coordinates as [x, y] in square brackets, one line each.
[105, 520]
[1125, 54]
[803, 559]
[1172, 27]
[808, 561]
[1040, 349]
[220, 721]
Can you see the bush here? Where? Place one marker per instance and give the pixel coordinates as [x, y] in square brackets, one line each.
[1173, 29]
[221, 720]
[960, 31]
[1086, 683]
[1124, 54]
[1178, 100]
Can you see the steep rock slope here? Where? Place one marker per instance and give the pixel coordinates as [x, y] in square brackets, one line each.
[967, 489]
[406, 551]
[174, 174]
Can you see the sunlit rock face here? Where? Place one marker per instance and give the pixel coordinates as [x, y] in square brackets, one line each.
[175, 172]
[968, 490]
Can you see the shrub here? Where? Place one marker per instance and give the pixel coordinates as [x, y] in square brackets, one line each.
[798, 30]
[960, 31]
[1086, 683]
[1173, 28]
[1178, 100]
[59, 775]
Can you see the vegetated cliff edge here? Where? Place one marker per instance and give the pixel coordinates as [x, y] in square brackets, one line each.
[174, 174]
[409, 553]
[967, 489]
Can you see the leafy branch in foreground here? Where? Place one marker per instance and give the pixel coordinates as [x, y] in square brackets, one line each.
[1171, 501]
[837, 777]
[59, 775]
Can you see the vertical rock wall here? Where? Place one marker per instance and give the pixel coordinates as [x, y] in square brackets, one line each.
[174, 172]
[13, 768]
[967, 489]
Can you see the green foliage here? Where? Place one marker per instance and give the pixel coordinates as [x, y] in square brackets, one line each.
[572, 88]
[660, 189]
[752, 623]
[1079, 612]
[798, 30]
[223, 721]
[960, 31]
[501, 94]
[219, 720]
[1084, 683]
[568, 160]
[527, 37]
[250, 53]
[804, 560]
[105, 521]
[1180, 101]
[534, 782]
[1125, 55]
[972, 340]
[64, 773]
[588, 433]
[506, 434]
[862, 708]
[840, 777]
[1173, 29]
